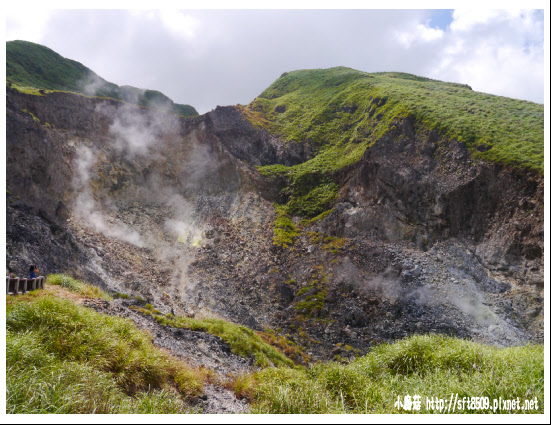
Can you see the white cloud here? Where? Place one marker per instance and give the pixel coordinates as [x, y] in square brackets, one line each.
[503, 70]
[30, 24]
[419, 33]
[179, 23]
[495, 51]
[469, 19]
[466, 19]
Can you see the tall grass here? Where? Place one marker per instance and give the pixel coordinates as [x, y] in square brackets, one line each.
[74, 285]
[64, 358]
[428, 366]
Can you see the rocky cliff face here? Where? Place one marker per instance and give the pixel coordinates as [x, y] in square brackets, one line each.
[422, 238]
[254, 145]
[416, 186]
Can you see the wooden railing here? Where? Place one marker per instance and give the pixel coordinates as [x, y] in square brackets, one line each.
[21, 285]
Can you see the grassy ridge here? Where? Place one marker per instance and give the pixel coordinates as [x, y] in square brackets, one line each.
[243, 341]
[30, 65]
[340, 112]
[265, 348]
[428, 366]
[77, 286]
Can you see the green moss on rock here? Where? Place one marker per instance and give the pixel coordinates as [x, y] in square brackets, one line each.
[285, 231]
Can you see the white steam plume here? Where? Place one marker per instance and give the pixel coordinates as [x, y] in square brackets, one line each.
[137, 130]
[85, 207]
[92, 85]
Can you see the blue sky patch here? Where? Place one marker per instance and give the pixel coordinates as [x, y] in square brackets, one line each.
[440, 18]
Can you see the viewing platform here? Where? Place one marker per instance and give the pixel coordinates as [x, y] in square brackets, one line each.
[21, 285]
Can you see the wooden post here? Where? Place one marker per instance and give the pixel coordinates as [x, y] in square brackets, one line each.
[22, 285]
[14, 285]
[31, 284]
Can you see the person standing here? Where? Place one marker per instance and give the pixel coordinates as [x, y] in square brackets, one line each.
[32, 272]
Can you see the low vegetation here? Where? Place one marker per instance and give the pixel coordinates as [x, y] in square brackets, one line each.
[291, 350]
[65, 358]
[285, 230]
[310, 299]
[313, 302]
[425, 366]
[74, 285]
[327, 242]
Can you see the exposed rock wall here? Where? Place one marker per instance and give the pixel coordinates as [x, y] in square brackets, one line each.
[413, 185]
[255, 145]
[74, 159]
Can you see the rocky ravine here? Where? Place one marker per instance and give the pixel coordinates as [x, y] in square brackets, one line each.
[423, 238]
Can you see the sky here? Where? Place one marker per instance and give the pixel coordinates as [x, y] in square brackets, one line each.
[216, 57]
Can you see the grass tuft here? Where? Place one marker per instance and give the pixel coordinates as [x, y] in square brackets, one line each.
[285, 231]
[74, 285]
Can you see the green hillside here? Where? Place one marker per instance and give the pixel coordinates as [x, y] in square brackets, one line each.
[341, 112]
[62, 357]
[31, 65]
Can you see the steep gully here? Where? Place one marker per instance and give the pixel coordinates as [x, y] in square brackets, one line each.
[423, 238]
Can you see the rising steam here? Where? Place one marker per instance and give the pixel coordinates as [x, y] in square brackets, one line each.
[85, 207]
